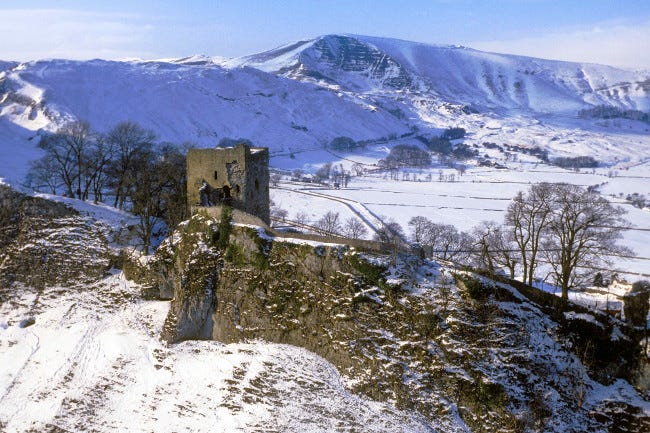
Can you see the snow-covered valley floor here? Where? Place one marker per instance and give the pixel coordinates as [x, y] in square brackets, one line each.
[481, 194]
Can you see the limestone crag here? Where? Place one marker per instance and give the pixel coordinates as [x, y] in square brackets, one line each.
[450, 347]
[47, 243]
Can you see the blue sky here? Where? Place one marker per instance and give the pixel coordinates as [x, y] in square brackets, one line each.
[609, 32]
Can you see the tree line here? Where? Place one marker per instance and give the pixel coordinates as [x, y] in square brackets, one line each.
[125, 166]
[571, 229]
[575, 162]
[611, 112]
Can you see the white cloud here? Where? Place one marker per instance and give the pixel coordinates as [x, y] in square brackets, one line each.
[616, 44]
[71, 34]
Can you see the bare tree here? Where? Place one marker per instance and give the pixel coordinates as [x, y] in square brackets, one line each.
[297, 174]
[527, 218]
[358, 169]
[451, 244]
[346, 179]
[279, 213]
[59, 157]
[146, 197]
[583, 230]
[406, 155]
[443, 241]
[323, 173]
[44, 172]
[78, 137]
[485, 254]
[69, 154]
[172, 169]
[99, 159]
[354, 229]
[275, 179]
[301, 217]
[129, 141]
[420, 229]
[392, 234]
[494, 248]
[504, 247]
[157, 193]
[330, 223]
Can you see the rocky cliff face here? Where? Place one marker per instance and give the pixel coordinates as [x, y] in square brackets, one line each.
[462, 350]
[47, 243]
[343, 53]
[455, 352]
[83, 354]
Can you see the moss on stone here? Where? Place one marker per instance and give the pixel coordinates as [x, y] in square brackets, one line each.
[235, 255]
[429, 324]
[473, 287]
[225, 228]
[373, 274]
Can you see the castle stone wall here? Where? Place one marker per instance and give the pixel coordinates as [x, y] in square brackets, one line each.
[238, 176]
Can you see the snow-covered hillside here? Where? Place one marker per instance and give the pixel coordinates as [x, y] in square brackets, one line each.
[81, 352]
[92, 361]
[454, 74]
[181, 102]
[300, 96]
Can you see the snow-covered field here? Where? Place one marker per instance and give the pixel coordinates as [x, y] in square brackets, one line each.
[481, 194]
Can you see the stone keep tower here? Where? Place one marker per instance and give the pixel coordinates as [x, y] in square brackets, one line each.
[238, 176]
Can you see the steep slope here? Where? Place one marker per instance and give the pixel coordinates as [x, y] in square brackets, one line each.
[194, 101]
[404, 347]
[201, 102]
[89, 359]
[80, 348]
[4, 65]
[454, 74]
[518, 82]
[336, 60]
[45, 243]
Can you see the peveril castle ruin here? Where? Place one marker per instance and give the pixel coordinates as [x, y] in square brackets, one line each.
[237, 176]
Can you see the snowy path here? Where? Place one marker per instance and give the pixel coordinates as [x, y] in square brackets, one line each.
[369, 218]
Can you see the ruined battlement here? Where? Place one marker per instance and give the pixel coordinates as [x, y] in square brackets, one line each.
[237, 176]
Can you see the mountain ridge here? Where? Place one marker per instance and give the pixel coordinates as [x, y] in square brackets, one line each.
[300, 96]
[499, 77]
